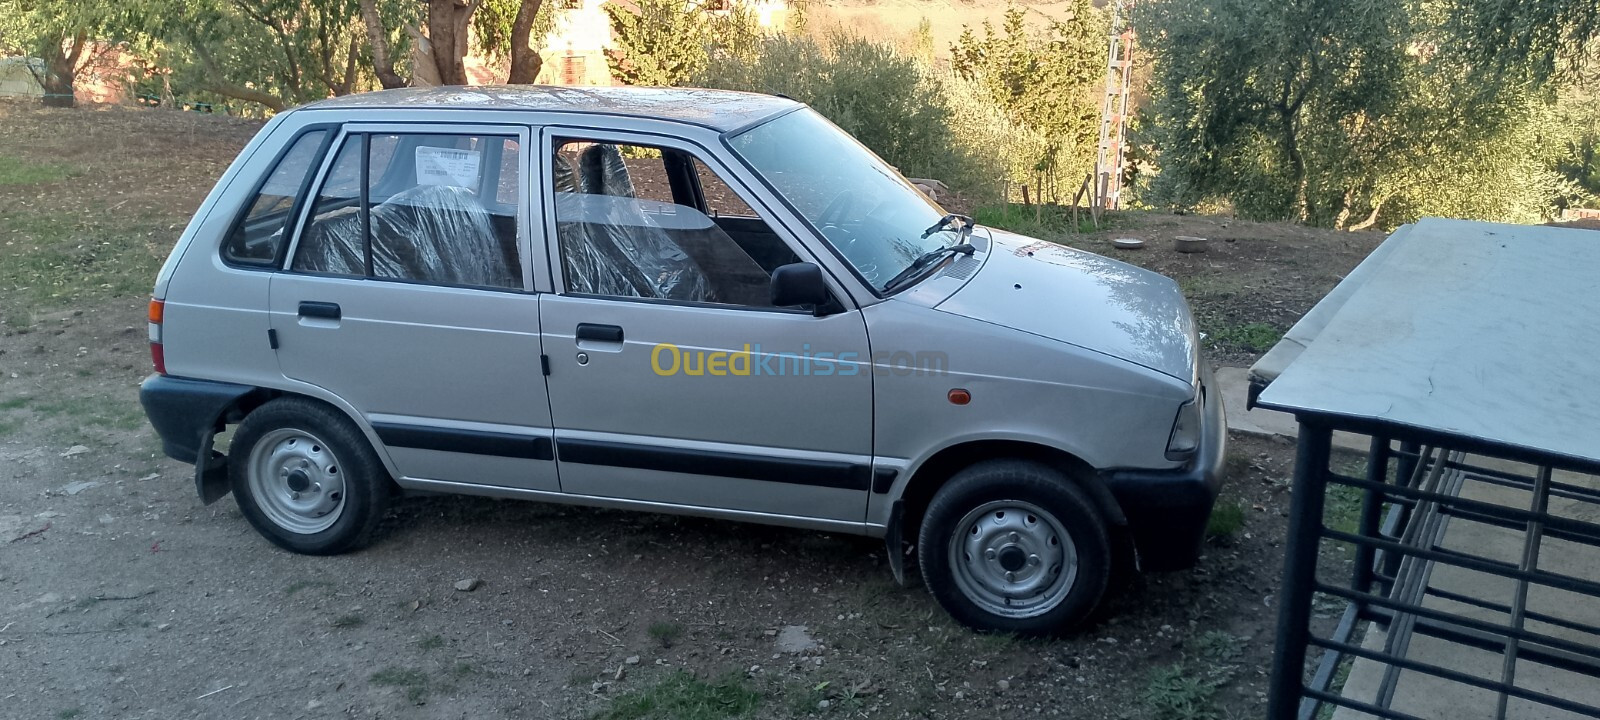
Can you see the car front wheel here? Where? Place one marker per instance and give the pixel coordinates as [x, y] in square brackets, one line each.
[1014, 546]
[306, 478]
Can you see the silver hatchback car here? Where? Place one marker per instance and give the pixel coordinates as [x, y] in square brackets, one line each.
[675, 300]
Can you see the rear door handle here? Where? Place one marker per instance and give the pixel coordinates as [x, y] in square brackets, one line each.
[599, 333]
[322, 310]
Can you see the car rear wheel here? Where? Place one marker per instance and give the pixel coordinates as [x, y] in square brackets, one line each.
[306, 478]
[1014, 546]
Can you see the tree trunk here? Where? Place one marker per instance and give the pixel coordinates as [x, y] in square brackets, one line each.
[447, 33]
[1377, 207]
[1297, 166]
[61, 71]
[1343, 216]
[378, 38]
[525, 60]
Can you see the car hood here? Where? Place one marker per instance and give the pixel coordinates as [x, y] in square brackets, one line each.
[1084, 299]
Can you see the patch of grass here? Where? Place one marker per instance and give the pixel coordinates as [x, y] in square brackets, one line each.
[92, 410]
[1342, 509]
[18, 319]
[57, 260]
[70, 713]
[666, 633]
[1252, 337]
[1227, 519]
[682, 696]
[1175, 694]
[998, 642]
[1236, 464]
[414, 682]
[431, 642]
[16, 403]
[16, 171]
[9, 426]
[1045, 221]
[463, 670]
[346, 622]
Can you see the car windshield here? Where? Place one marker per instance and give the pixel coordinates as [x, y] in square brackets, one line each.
[861, 205]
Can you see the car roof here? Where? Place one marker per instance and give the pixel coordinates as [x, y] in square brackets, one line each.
[722, 110]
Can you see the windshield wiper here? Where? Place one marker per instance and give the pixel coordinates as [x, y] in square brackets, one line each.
[930, 259]
[944, 222]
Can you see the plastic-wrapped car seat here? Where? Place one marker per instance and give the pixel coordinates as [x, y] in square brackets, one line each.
[433, 233]
[620, 249]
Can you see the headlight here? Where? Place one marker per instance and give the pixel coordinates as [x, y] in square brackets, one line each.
[1185, 438]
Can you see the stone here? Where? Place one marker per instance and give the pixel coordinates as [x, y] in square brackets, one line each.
[73, 488]
[795, 639]
[469, 584]
[75, 450]
[632, 660]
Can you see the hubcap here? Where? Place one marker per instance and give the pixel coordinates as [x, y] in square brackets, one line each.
[1013, 559]
[296, 481]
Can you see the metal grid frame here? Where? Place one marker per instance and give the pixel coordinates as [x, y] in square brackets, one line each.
[1410, 492]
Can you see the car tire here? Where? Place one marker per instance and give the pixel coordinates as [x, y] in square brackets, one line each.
[306, 477]
[1011, 546]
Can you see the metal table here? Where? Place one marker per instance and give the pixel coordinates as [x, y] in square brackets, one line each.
[1470, 354]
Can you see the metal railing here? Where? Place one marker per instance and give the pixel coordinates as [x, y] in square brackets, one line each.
[1430, 505]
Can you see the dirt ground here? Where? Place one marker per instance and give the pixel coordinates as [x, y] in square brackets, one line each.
[121, 596]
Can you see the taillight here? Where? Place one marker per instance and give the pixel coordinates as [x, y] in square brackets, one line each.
[158, 356]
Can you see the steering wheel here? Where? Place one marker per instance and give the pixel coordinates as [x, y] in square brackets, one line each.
[843, 238]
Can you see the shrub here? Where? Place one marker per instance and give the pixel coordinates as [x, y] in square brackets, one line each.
[927, 123]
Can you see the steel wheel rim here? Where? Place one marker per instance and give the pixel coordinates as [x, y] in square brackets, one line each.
[296, 481]
[1013, 559]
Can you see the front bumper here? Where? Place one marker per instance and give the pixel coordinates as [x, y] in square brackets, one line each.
[1167, 510]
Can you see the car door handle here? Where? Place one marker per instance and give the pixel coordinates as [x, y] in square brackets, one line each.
[599, 333]
[322, 310]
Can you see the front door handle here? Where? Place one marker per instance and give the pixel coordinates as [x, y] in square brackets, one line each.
[321, 310]
[600, 333]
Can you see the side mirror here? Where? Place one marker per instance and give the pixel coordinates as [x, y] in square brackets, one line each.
[799, 284]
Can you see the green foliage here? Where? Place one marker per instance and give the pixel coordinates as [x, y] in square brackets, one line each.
[67, 37]
[1544, 40]
[667, 42]
[1227, 519]
[1348, 113]
[682, 696]
[491, 26]
[265, 53]
[1251, 337]
[926, 123]
[1043, 79]
[1174, 694]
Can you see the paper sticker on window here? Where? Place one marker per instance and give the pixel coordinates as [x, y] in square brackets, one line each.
[442, 166]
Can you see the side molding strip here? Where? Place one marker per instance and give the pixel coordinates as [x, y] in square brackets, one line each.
[474, 442]
[819, 473]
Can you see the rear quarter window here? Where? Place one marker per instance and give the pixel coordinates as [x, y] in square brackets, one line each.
[258, 235]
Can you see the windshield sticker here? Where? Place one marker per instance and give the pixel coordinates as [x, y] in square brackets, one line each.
[441, 166]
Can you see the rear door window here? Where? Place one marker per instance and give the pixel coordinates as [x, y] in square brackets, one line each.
[257, 237]
[428, 208]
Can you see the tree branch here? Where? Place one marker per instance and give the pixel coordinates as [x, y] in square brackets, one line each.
[378, 40]
[216, 84]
